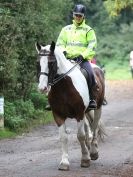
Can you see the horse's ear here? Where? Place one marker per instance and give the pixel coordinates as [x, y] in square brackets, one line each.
[52, 47]
[38, 46]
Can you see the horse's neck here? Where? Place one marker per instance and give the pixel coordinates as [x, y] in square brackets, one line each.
[64, 65]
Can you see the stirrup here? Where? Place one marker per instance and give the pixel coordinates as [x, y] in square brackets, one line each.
[47, 107]
[92, 104]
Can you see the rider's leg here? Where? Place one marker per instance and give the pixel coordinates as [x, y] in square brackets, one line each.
[91, 83]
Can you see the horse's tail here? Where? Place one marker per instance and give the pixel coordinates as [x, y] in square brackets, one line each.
[93, 123]
[101, 131]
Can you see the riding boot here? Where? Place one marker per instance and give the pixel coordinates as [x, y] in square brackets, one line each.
[92, 85]
[92, 93]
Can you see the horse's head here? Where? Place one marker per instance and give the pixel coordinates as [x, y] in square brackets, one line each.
[48, 65]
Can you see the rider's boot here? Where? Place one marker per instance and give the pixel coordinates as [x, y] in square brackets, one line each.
[92, 93]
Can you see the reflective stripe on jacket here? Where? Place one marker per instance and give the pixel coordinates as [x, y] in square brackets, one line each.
[78, 40]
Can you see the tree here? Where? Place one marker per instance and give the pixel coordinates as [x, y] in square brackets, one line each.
[116, 6]
[22, 24]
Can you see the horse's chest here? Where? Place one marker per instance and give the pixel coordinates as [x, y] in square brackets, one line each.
[66, 100]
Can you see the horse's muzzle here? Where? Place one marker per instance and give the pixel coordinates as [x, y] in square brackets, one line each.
[43, 90]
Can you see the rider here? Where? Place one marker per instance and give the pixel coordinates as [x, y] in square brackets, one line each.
[78, 41]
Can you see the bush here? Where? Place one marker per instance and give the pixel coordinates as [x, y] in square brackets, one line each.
[18, 114]
[22, 115]
[39, 100]
[25, 109]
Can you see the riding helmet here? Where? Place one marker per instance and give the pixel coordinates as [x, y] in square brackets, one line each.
[79, 9]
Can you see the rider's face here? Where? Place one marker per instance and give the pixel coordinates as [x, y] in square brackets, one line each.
[78, 18]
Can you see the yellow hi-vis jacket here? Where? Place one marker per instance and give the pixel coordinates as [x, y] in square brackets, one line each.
[78, 40]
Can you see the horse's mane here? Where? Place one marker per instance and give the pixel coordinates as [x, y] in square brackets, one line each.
[59, 53]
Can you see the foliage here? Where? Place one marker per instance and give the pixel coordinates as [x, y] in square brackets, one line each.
[116, 6]
[18, 114]
[22, 114]
[110, 49]
[117, 71]
[39, 100]
[22, 24]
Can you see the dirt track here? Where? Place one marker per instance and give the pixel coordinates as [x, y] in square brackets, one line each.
[37, 154]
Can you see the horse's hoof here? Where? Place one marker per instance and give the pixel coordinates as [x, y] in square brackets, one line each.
[85, 163]
[94, 156]
[64, 167]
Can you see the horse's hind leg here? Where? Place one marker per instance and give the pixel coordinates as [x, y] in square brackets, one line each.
[88, 134]
[93, 118]
[85, 160]
[64, 164]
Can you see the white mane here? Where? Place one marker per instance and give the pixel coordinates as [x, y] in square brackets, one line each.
[63, 62]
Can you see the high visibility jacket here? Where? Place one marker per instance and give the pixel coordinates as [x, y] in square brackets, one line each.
[78, 40]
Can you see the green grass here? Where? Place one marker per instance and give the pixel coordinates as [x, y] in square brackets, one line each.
[43, 119]
[115, 71]
[5, 133]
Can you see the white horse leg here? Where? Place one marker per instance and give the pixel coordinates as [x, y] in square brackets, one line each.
[95, 128]
[64, 164]
[85, 160]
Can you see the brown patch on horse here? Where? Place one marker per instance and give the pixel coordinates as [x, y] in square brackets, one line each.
[99, 93]
[65, 101]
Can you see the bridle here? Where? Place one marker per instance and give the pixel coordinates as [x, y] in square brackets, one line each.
[53, 77]
[42, 55]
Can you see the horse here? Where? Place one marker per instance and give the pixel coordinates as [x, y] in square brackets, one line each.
[69, 98]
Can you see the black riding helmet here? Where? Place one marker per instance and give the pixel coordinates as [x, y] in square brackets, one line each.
[79, 9]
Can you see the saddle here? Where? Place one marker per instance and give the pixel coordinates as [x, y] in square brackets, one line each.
[84, 72]
[86, 75]
[93, 91]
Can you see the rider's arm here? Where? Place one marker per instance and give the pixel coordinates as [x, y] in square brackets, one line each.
[61, 41]
[89, 53]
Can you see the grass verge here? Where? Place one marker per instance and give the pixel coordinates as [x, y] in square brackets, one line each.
[5, 133]
[44, 118]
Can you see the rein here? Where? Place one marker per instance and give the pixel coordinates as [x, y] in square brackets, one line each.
[55, 81]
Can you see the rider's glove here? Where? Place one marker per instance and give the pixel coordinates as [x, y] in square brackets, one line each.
[65, 53]
[79, 58]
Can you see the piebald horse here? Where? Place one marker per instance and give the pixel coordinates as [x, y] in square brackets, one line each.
[69, 98]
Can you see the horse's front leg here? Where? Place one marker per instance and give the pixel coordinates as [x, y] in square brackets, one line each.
[64, 164]
[85, 160]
